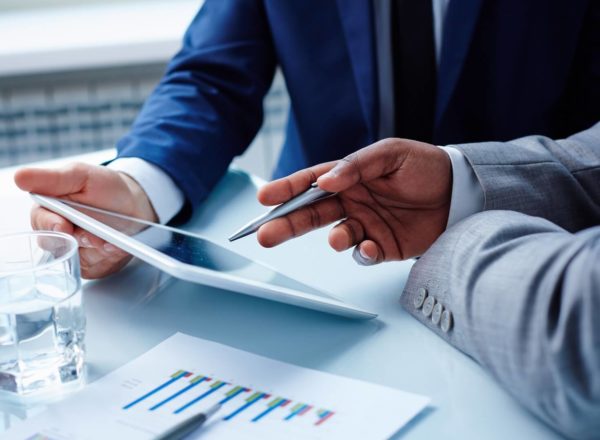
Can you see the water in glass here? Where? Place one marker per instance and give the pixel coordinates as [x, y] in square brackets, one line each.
[42, 323]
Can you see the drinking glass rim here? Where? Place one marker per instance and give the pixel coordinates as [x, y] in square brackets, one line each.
[61, 259]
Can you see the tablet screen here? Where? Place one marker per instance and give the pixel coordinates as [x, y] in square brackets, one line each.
[193, 249]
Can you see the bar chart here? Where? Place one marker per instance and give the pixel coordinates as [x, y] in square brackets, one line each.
[184, 389]
[260, 399]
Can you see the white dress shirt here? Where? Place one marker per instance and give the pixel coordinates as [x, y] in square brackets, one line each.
[167, 198]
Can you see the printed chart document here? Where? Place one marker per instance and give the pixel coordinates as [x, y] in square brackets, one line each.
[261, 399]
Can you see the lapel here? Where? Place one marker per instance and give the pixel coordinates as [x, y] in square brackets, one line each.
[357, 22]
[459, 25]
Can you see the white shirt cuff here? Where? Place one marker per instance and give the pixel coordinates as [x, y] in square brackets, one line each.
[467, 193]
[166, 197]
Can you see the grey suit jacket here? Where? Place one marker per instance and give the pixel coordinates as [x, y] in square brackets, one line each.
[521, 293]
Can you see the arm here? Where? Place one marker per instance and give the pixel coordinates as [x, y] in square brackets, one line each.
[556, 180]
[207, 109]
[208, 106]
[523, 296]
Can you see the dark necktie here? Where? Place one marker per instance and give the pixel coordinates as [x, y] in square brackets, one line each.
[413, 52]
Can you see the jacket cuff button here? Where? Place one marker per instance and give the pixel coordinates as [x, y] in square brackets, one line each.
[446, 322]
[436, 315]
[428, 306]
[420, 297]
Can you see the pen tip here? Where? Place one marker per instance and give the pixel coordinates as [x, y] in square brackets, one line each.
[242, 233]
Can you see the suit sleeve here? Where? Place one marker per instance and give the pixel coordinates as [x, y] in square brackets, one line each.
[208, 106]
[521, 296]
[556, 180]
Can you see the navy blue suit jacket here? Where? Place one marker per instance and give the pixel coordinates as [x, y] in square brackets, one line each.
[508, 68]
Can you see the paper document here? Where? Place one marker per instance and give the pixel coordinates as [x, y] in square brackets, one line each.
[261, 399]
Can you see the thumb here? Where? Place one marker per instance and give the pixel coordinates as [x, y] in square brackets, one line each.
[59, 182]
[376, 160]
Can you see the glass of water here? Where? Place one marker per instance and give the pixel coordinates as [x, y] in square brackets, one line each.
[42, 324]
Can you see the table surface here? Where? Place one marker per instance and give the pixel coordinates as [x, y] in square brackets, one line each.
[132, 311]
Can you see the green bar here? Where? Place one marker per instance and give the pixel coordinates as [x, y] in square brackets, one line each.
[197, 378]
[233, 390]
[216, 384]
[275, 402]
[253, 397]
[178, 373]
[296, 407]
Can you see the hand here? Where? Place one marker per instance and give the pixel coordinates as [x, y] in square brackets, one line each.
[393, 199]
[91, 185]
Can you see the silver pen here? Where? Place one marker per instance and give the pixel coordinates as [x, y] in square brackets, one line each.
[309, 196]
[189, 425]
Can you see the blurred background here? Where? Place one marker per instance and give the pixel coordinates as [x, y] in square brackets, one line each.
[74, 74]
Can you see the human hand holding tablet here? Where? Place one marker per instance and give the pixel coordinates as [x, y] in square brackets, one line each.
[92, 185]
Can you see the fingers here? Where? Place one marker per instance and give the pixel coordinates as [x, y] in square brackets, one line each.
[300, 222]
[97, 262]
[43, 219]
[97, 257]
[95, 265]
[347, 234]
[350, 233]
[367, 253]
[377, 160]
[281, 190]
[58, 182]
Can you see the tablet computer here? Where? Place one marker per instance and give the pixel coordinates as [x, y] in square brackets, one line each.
[197, 259]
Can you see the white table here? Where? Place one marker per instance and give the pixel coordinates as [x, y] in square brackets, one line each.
[134, 310]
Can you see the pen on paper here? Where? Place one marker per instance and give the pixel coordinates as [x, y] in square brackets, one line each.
[189, 425]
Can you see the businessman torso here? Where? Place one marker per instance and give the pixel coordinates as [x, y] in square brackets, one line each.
[506, 69]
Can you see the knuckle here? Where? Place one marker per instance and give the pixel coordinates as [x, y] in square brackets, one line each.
[310, 176]
[78, 167]
[314, 216]
[291, 226]
[290, 188]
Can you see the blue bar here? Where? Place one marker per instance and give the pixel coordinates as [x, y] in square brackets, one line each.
[228, 398]
[200, 397]
[178, 393]
[243, 407]
[268, 410]
[295, 413]
[155, 390]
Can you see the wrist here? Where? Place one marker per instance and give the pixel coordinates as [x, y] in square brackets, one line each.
[142, 207]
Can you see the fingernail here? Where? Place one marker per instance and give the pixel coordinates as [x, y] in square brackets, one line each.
[84, 241]
[109, 248]
[361, 258]
[363, 254]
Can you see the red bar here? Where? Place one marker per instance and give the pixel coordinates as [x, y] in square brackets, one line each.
[305, 410]
[324, 418]
[285, 403]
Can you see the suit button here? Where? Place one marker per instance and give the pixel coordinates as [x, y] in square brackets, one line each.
[419, 298]
[436, 315]
[446, 321]
[428, 306]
